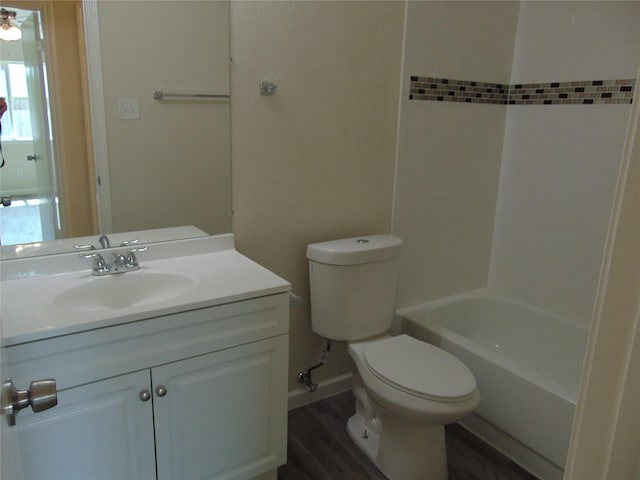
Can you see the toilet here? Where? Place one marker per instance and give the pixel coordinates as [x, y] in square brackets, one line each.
[406, 390]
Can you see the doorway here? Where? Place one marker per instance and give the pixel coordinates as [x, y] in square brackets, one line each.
[29, 212]
[48, 172]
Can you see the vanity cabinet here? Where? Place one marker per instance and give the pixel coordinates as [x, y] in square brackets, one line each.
[197, 394]
[220, 415]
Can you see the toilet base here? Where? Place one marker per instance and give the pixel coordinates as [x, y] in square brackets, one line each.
[402, 451]
[366, 440]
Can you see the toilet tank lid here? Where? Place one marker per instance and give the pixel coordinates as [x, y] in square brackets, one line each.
[355, 250]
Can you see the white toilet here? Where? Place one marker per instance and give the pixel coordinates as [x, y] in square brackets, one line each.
[406, 390]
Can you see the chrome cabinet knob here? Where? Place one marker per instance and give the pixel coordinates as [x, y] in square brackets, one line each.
[145, 395]
[161, 391]
[43, 395]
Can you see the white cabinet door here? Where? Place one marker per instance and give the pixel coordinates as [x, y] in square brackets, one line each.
[224, 415]
[101, 430]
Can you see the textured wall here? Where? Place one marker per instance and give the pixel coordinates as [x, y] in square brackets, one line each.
[316, 160]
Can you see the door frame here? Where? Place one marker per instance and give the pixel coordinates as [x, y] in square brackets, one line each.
[67, 74]
[97, 114]
[606, 432]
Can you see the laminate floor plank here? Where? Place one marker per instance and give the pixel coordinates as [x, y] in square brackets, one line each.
[319, 448]
[470, 458]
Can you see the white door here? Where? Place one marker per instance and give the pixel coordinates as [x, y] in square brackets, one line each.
[99, 431]
[43, 152]
[222, 415]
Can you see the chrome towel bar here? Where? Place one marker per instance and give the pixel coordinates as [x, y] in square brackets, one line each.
[160, 95]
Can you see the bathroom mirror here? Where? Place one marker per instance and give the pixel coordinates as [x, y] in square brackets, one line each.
[157, 163]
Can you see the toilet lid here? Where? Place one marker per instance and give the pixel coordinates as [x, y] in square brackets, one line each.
[419, 368]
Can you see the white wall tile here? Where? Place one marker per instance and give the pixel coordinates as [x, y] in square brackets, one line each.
[449, 154]
[569, 40]
[419, 54]
[558, 177]
[559, 164]
[461, 39]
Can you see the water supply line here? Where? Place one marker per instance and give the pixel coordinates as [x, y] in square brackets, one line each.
[304, 376]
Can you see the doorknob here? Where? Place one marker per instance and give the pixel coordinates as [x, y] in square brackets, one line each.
[32, 157]
[42, 395]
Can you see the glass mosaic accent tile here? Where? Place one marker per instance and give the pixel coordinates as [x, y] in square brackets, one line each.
[449, 90]
[554, 93]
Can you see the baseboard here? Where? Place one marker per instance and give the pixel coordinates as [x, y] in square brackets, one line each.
[327, 388]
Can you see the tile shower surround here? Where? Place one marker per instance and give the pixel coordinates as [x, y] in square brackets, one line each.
[554, 93]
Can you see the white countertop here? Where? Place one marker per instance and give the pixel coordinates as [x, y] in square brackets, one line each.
[29, 287]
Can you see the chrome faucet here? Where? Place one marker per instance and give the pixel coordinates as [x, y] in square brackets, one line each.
[104, 241]
[121, 263]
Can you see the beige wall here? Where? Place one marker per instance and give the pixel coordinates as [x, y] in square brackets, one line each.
[170, 166]
[316, 160]
[67, 82]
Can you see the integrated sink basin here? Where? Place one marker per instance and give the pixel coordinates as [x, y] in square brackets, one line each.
[125, 290]
[55, 295]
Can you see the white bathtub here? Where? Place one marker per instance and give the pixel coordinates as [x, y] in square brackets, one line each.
[527, 363]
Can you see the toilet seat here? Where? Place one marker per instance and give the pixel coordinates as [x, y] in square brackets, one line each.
[419, 369]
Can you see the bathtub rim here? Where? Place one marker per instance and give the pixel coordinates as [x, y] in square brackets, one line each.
[539, 380]
[491, 293]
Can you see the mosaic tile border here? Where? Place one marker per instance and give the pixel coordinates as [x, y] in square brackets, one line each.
[449, 90]
[587, 92]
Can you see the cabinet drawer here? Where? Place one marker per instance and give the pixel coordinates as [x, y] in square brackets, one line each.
[96, 354]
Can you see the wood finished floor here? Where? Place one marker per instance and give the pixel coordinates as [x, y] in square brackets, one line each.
[319, 448]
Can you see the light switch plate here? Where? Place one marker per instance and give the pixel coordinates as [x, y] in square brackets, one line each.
[128, 109]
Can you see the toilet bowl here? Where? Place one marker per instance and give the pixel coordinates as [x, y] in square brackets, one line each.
[413, 390]
[406, 390]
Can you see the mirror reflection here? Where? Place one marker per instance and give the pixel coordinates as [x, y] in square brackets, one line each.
[147, 163]
[45, 180]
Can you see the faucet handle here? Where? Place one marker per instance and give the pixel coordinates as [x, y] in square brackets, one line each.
[132, 261]
[84, 247]
[126, 243]
[100, 267]
[119, 260]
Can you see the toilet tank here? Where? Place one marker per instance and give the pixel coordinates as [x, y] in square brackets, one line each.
[353, 286]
